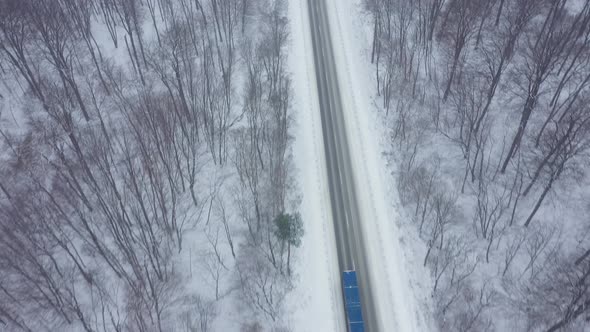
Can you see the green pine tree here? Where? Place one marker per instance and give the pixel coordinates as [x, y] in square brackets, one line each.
[289, 230]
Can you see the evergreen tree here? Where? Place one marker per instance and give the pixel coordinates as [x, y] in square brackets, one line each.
[289, 230]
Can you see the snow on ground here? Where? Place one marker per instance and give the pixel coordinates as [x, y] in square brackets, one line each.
[315, 303]
[400, 282]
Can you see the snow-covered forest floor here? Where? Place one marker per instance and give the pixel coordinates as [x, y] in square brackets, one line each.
[489, 134]
[147, 180]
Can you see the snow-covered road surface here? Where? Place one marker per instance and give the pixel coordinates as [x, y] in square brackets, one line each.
[367, 236]
[352, 151]
[346, 218]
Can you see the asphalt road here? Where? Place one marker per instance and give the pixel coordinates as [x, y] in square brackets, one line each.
[347, 224]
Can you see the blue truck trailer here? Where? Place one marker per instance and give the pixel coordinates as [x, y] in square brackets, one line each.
[352, 302]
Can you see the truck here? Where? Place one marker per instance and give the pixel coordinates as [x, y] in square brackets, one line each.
[352, 302]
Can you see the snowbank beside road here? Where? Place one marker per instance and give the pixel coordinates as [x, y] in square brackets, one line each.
[316, 303]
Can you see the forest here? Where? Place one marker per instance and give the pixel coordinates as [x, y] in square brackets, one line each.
[487, 104]
[146, 181]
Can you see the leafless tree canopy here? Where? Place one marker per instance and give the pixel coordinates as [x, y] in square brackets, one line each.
[134, 121]
[501, 87]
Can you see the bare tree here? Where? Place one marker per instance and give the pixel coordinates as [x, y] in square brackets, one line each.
[96, 185]
[565, 141]
[15, 42]
[513, 247]
[214, 262]
[536, 244]
[444, 209]
[478, 302]
[558, 296]
[454, 253]
[455, 280]
[418, 186]
[52, 31]
[575, 281]
[198, 315]
[263, 287]
[489, 211]
[504, 45]
[460, 19]
[543, 51]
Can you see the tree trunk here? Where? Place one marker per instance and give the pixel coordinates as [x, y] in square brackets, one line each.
[526, 114]
[539, 202]
[452, 74]
[289, 259]
[571, 317]
[499, 12]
